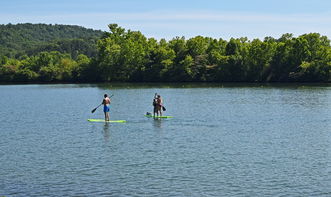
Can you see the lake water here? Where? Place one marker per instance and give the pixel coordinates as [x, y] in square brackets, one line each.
[224, 140]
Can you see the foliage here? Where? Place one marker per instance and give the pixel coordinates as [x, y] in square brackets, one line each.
[30, 39]
[125, 55]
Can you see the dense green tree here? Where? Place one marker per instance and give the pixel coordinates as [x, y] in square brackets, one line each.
[258, 59]
[122, 55]
[236, 50]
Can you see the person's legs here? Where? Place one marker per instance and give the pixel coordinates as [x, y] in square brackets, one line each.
[154, 110]
[159, 111]
[106, 111]
[107, 114]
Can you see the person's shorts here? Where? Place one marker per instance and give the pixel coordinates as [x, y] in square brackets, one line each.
[106, 108]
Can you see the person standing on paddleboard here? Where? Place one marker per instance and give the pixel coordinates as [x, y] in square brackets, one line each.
[157, 103]
[106, 102]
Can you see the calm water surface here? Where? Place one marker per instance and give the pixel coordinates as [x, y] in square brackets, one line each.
[223, 141]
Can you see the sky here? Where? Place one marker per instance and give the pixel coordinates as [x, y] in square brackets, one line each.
[170, 18]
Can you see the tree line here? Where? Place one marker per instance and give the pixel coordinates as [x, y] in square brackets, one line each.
[128, 56]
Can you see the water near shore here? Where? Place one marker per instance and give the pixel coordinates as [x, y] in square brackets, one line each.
[230, 140]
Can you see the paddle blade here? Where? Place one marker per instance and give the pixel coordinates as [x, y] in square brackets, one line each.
[93, 110]
[163, 108]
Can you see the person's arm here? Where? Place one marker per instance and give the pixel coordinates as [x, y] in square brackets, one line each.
[154, 101]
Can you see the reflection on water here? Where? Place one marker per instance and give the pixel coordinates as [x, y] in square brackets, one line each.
[106, 131]
[206, 85]
[157, 122]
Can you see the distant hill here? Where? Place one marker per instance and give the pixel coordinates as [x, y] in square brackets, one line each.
[29, 39]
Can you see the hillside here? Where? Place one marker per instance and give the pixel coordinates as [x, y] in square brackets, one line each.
[30, 39]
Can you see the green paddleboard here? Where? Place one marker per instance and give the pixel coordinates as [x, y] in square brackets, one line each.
[151, 116]
[102, 120]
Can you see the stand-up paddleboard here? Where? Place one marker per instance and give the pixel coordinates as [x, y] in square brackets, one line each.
[151, 116]
[102, 120]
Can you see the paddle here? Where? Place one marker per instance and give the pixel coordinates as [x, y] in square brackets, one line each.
[99, 106]
[95, 108]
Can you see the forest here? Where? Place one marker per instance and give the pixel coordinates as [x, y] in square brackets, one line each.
[33, 53]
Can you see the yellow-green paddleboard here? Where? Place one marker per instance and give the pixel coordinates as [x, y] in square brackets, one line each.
[151, 116]
[102, 120]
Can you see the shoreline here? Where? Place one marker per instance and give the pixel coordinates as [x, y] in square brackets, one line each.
[182, 84]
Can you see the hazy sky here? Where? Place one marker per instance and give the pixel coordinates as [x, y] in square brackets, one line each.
[170, 18]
